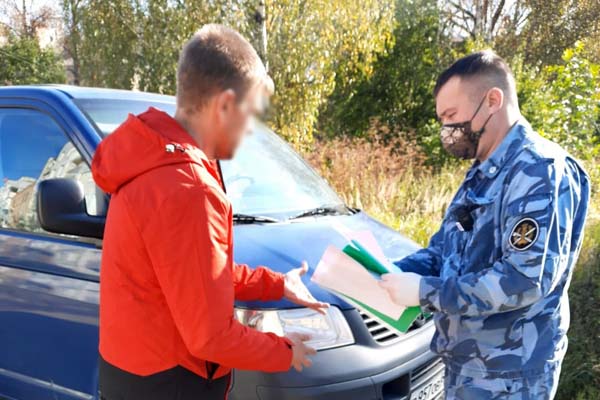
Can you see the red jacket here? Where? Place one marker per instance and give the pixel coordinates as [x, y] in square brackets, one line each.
[168, 280]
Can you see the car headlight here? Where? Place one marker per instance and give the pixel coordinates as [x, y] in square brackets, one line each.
[326, 331]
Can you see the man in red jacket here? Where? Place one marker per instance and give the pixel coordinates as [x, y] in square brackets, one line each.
[168, 279]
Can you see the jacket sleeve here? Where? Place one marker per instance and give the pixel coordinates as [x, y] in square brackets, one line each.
[258, 284]
[426, 261]
[189, 240]
[542, 210]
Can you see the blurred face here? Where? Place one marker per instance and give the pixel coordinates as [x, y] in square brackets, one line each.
[235, 118]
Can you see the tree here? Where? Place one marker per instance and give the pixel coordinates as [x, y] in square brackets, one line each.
[399, 92]
[563, 101]
[312, 42]
[135, 43]
[554, 26]
[22, 61]
[104, 37]
[72, 16]
[24, 18]
[484, 19]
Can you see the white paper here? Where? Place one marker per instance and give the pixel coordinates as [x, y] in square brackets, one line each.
[341, 273]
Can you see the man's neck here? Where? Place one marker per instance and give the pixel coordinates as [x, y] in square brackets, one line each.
[195, 131]
[497, 131]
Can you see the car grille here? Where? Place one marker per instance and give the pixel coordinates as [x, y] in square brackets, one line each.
[384, 336]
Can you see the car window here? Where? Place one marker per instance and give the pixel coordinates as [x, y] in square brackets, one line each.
[266, 177]
[33, 147]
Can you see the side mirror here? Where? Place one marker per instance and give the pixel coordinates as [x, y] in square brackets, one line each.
[61, 209]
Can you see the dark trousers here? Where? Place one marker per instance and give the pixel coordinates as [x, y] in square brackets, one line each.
[177, 383]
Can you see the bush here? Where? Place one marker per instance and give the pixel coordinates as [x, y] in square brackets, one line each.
[562, 102]
[399, 91]
[22, 61]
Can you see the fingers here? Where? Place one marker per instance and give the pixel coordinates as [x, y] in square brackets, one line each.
[386, 277]
[307, 362]
[304, 337]
[298, 337]
[301, 354]
[303, 268]
[310, 351]
[315, 305]
[319, 307]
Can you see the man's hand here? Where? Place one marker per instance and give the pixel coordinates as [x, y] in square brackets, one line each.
[296, 292]
[301, 351]
[402, 287]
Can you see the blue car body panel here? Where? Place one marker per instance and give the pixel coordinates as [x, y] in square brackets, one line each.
[49, 286]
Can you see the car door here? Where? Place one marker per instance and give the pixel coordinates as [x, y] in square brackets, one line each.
[49, 289]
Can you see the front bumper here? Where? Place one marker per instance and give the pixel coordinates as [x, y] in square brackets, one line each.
[362, 371]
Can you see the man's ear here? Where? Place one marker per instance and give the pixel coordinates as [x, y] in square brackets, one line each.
[224, 101]
[495, 99]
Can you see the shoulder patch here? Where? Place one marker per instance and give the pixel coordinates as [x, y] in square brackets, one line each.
[524, 234]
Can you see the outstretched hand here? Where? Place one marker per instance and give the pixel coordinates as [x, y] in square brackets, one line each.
[296, 292]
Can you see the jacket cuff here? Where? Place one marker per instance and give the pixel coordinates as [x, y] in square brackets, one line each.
[278, 287]
[288, 353]
[429, 297]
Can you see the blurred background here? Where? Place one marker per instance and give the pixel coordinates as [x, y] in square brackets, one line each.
[353, 93]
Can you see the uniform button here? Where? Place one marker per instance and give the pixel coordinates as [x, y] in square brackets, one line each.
[492, 169]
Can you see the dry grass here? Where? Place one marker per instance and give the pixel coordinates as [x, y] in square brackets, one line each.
[388, 179]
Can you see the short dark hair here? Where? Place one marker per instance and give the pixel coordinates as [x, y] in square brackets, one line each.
[487, 65]
[217, 58]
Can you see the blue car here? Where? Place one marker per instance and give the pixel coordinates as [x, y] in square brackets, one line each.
[51, 223]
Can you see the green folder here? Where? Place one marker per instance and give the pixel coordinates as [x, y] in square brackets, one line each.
[360, 254]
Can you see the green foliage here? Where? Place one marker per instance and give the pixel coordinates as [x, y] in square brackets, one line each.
[554, 26]
[127, 44]
[563, 101]
[108, 43]
[312, 42]
[22, 61]
[398, 92]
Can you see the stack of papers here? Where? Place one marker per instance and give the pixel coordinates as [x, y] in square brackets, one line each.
[353, 274]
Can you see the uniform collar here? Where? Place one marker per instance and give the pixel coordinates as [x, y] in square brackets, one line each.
[504, 152]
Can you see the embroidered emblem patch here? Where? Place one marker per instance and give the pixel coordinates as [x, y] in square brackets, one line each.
[524, 234]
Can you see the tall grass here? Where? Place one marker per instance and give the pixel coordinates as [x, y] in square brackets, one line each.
[390, 180]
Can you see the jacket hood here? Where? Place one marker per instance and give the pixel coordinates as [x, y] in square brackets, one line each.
[140, 144]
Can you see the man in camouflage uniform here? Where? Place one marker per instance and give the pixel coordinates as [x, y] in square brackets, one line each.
[496, 274]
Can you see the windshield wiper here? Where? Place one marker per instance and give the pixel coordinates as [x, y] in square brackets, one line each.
[252, 219]
[325, 210]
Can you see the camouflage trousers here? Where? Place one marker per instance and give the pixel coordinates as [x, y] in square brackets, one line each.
[460, 387]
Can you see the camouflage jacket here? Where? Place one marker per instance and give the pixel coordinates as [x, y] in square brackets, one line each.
[496, 273]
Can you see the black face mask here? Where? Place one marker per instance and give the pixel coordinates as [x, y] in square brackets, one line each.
[460, 140]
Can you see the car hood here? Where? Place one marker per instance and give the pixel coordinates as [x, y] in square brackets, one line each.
[283, 246]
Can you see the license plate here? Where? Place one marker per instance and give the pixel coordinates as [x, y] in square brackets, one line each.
[429, 390]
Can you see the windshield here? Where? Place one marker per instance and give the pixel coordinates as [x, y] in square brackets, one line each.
[266, 177]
